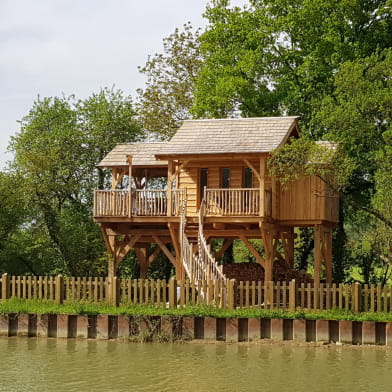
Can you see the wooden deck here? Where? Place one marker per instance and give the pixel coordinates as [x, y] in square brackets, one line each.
[154, 202]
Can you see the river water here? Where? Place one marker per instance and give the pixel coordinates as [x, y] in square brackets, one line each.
[89, 365]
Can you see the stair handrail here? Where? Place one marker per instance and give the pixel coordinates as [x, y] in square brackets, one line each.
[212, 271]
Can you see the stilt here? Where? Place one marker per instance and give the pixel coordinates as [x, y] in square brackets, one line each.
[142, 256]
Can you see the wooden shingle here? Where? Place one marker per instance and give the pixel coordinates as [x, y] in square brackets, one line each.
[242, 135]
[142, 155]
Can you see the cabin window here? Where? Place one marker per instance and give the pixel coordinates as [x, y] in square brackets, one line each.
[225, 177]
[203, 182]
[248, 178]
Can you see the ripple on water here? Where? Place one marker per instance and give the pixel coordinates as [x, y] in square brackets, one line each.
[85, 365]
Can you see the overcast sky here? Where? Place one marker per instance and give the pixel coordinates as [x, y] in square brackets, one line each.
[50, 47]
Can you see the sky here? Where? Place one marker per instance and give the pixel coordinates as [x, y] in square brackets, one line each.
[54, 47]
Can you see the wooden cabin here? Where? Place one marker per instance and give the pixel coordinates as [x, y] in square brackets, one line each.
[211, 181]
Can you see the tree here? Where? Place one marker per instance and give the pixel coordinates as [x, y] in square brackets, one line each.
[59, 143]
[168, 95]
[280, 56]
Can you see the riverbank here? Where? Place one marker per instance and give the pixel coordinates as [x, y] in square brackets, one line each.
[146, 323]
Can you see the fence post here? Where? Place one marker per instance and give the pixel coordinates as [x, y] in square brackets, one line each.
[172, 293]
[231, 294]
[59, 289]
[115, 300]
[5, 286]
[292, 296]
[356, 298]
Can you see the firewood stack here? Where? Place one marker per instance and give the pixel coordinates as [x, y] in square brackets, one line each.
[255, 272]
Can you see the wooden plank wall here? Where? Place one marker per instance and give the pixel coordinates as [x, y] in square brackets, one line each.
[189, 178]
[307, 199]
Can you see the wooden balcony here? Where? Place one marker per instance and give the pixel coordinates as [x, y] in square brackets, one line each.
[138, 202]
[236, 202]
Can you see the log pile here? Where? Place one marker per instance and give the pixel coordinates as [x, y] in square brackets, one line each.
[255, 272]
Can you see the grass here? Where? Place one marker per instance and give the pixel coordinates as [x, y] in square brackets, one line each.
[17, 305]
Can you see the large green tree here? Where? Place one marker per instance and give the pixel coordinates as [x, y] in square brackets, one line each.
[168, 95]
[55, 152]
[280, 56]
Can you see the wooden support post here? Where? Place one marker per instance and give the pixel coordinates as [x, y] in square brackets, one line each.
[115, 298]
[356, 300]
[262, 186]
[231, 298]
[270, 243]
[317, 253]
[287, 238]
[172, 293]
[111, 275]
[169, 187]
[292, 296]
[5, 287]
[328, 254]
[59, 295]
[142, 256]
[129, 158]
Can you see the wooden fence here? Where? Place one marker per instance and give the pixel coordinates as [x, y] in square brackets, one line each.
[223, 294]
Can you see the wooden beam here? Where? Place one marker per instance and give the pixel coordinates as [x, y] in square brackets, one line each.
[164, 249]
[254, 252]
[124, 249]
[255, 172]
[106, 238]
[154, 254]
[179, 167]
[226, 244]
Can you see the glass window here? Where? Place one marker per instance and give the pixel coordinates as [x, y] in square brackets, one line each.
[248, 178]
[225, 177]
[203, 182]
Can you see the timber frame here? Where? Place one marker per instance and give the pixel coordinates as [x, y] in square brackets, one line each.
[205, 196]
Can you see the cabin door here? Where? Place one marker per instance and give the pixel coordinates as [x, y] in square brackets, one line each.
[203, 183]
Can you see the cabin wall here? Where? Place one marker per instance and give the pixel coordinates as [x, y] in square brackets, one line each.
[189, 178]
[307, 198]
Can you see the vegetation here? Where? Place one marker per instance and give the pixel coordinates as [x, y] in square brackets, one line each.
[328, 61]
[17, 305]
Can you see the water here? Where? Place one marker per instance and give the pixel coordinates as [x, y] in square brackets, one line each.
[81, 365]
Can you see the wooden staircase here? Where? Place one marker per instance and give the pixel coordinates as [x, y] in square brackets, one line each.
[198, 263]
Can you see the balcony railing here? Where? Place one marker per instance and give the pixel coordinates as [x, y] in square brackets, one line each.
[140, 202]
[236, 202]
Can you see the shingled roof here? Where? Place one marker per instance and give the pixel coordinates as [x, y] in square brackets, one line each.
[142, 155]
[217, 136]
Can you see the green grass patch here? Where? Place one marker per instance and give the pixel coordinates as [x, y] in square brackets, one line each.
[17, 305]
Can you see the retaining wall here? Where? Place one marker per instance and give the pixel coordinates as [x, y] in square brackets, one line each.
[189, 328]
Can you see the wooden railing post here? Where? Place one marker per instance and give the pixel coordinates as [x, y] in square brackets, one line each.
[59, 289]
[292, 295]
[172, 293]
[231, 290]
[5, 287]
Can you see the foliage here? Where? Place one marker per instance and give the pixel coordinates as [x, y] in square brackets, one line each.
[168, 95]
[16, 305]
[279, 56]
[59, 143]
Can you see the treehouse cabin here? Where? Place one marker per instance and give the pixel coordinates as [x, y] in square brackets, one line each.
[211, 181]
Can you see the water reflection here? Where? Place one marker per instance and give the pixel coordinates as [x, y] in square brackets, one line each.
[88, 365]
